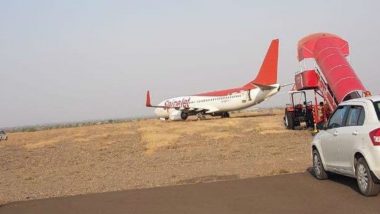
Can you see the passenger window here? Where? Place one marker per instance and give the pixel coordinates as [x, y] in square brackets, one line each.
[355, 116]
[337, 119]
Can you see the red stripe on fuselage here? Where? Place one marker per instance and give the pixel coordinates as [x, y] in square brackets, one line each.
[225, 92]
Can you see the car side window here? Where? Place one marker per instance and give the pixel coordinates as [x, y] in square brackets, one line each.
[355, 116]
[337, 119]
[361, 117]
[377, 108]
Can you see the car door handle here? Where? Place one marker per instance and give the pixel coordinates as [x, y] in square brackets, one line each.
[355, 133]
[336, 133]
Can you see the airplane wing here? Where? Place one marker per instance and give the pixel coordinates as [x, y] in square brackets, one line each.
[195, 110]
[211, 110]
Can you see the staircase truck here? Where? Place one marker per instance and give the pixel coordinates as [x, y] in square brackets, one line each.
[325, 74]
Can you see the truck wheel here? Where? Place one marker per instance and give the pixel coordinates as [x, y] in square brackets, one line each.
[366, 184]
[318, 170]
[289, 120]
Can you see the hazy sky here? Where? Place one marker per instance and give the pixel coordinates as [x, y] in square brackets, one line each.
[82, 60]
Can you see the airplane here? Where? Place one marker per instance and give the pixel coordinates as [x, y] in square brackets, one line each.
[221, 102]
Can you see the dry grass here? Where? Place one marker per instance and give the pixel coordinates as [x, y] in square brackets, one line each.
[148, 153]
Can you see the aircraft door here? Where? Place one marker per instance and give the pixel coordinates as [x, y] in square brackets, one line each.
[246, 96]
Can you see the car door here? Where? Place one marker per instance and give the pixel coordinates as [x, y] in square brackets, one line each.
[330, 137]
[352, 133]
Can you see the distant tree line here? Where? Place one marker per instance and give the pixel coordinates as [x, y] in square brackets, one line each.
[70, 125]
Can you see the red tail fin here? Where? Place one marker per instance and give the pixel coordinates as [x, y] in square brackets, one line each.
[148, 104]
[268, 72]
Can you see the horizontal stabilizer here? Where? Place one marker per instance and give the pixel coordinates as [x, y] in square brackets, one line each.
[265, 87]
[211, 109]
[285, 85]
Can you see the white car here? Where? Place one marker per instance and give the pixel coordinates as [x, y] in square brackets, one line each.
[350, 144]
[3, 135]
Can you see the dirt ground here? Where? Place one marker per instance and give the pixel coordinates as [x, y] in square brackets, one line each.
[148, 153]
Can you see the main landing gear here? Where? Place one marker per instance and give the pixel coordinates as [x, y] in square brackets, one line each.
[225, 115]
[201, 116]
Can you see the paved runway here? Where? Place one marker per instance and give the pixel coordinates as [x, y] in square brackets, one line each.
[293, 193]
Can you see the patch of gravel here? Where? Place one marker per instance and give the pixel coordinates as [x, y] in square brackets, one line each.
[121, 156]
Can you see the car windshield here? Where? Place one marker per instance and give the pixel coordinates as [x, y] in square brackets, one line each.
[377, 108]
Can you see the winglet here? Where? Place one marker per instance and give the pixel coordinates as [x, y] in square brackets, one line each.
[148, 104]
[268, 72]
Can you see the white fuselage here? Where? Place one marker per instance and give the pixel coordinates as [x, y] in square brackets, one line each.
[215, 104]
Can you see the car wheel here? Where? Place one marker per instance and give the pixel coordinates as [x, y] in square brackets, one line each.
[318, 170]
[366, 184]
